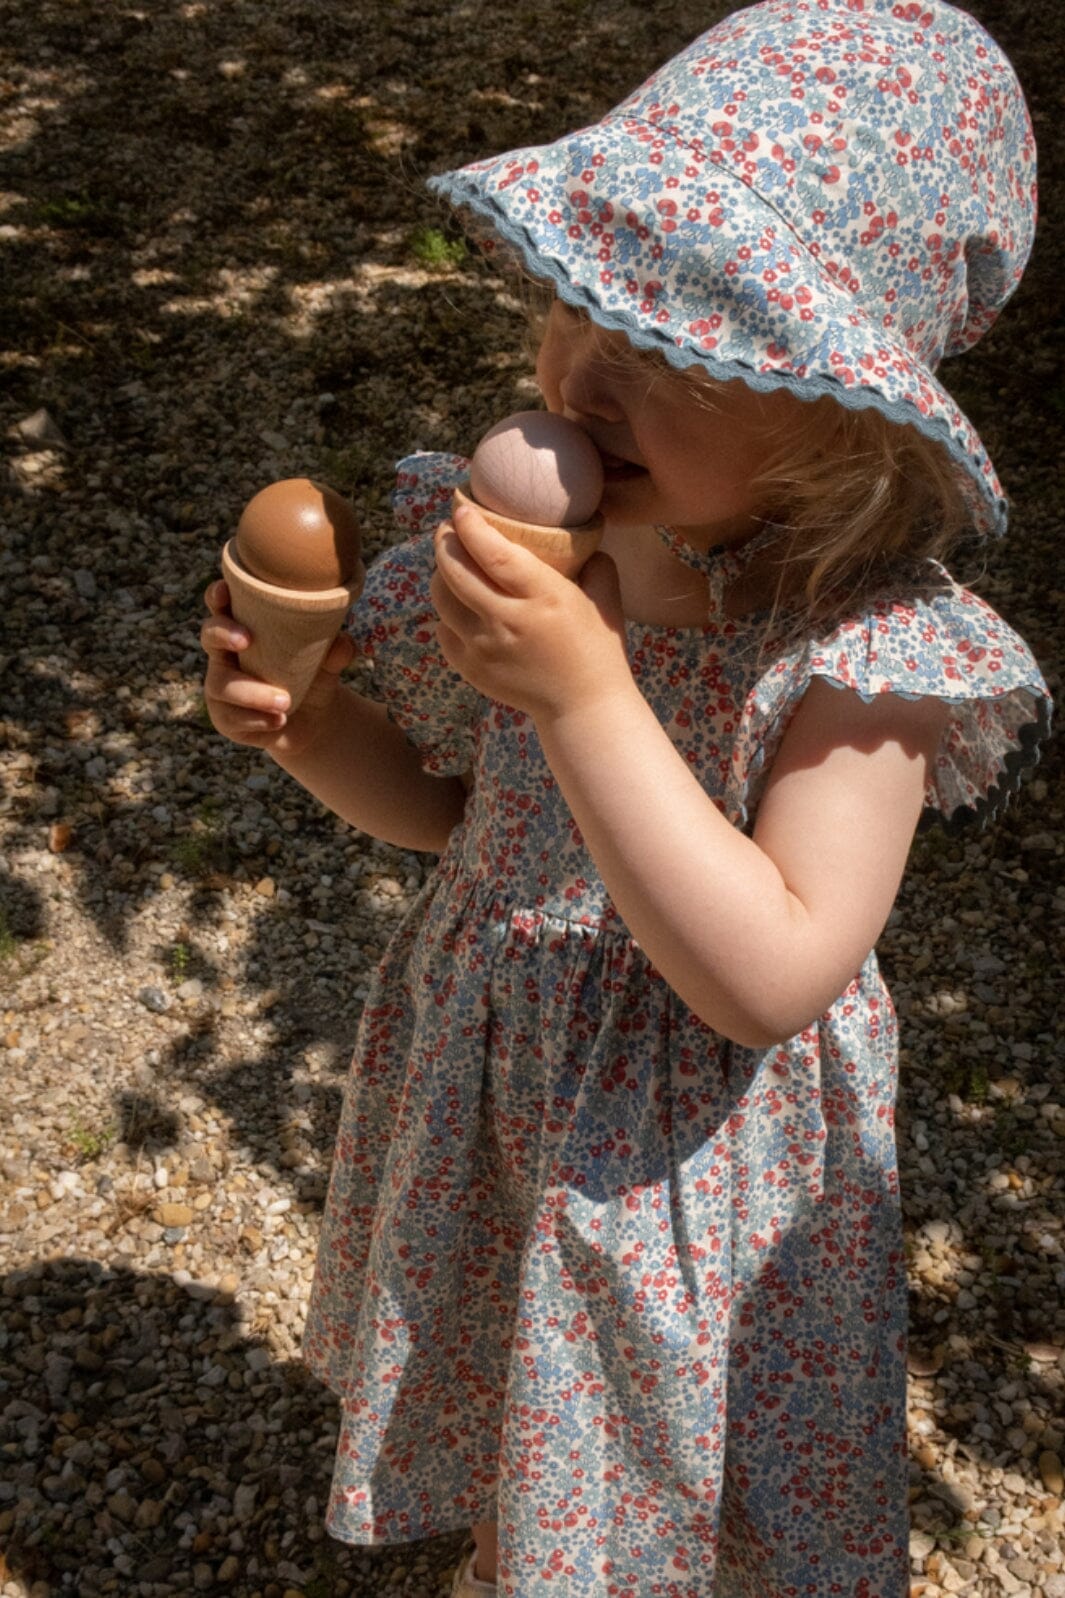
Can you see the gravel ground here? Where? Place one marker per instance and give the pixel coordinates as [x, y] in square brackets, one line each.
[220, 268]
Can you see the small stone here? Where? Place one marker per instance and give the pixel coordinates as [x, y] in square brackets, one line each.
[921, 1545]
[1050, 1471]
[919, 1364]
[1044, 1353]
[122, 1507]
[266, 887]
[203, 1291]
[42, 429]
[57, 1373]
[149, 1513]
[154, 999]
[173, 1214]
[244, 1502]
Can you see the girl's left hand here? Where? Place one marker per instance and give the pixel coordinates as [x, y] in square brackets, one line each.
[517, 630]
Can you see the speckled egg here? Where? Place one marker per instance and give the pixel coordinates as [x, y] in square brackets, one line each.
[538, 467]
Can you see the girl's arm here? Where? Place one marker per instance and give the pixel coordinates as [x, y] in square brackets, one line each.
[757, 935]
[363, 768]
[339, 746]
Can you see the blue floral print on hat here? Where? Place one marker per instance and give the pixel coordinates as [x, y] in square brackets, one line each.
[825, 195]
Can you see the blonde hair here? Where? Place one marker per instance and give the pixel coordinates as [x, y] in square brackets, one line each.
[859, 500]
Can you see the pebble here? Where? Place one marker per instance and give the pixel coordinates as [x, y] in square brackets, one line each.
[173, 1215]
[1050, 1471]
[154, 999]
[40, 427]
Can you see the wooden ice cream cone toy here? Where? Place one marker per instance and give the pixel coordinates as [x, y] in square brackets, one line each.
[293, 568]
[537, 479]
[564, 548]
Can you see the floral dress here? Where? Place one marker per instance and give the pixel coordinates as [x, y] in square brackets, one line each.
[586, 1267]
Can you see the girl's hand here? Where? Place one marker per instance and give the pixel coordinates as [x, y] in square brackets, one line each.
[249, 711]
[517, 630]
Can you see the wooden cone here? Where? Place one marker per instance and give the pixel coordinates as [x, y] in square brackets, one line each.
[564, 548]
[291, 628]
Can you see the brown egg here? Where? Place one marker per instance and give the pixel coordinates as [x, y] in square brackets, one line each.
[299, 534]
[538, 467]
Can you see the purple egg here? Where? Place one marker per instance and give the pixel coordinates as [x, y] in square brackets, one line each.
[538, 467]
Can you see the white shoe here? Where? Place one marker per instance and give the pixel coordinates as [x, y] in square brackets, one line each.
[467, 1585]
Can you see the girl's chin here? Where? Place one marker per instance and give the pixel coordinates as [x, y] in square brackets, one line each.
[624, 489]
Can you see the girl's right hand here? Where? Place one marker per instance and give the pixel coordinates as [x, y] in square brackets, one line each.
[247, 710]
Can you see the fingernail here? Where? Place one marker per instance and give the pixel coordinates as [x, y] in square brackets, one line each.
[281, 701]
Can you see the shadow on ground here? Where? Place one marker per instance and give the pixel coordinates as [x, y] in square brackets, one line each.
[196, 1460]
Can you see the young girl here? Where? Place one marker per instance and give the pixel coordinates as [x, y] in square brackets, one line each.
[611, 1268]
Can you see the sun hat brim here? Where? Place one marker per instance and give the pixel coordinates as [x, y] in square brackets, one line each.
[722, 282]
[829, 198]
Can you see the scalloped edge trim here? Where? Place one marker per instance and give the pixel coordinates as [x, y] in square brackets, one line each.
[995, 510]
[1033, 734]
[1012, 764]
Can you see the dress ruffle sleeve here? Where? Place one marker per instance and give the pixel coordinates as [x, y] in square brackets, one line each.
[393, 624]
[950, 646]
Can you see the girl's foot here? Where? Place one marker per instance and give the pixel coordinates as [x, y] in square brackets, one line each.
[467, 1585]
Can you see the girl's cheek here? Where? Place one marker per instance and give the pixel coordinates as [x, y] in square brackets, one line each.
[545, 382]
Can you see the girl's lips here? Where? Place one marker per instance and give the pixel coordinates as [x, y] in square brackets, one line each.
[615, 469]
